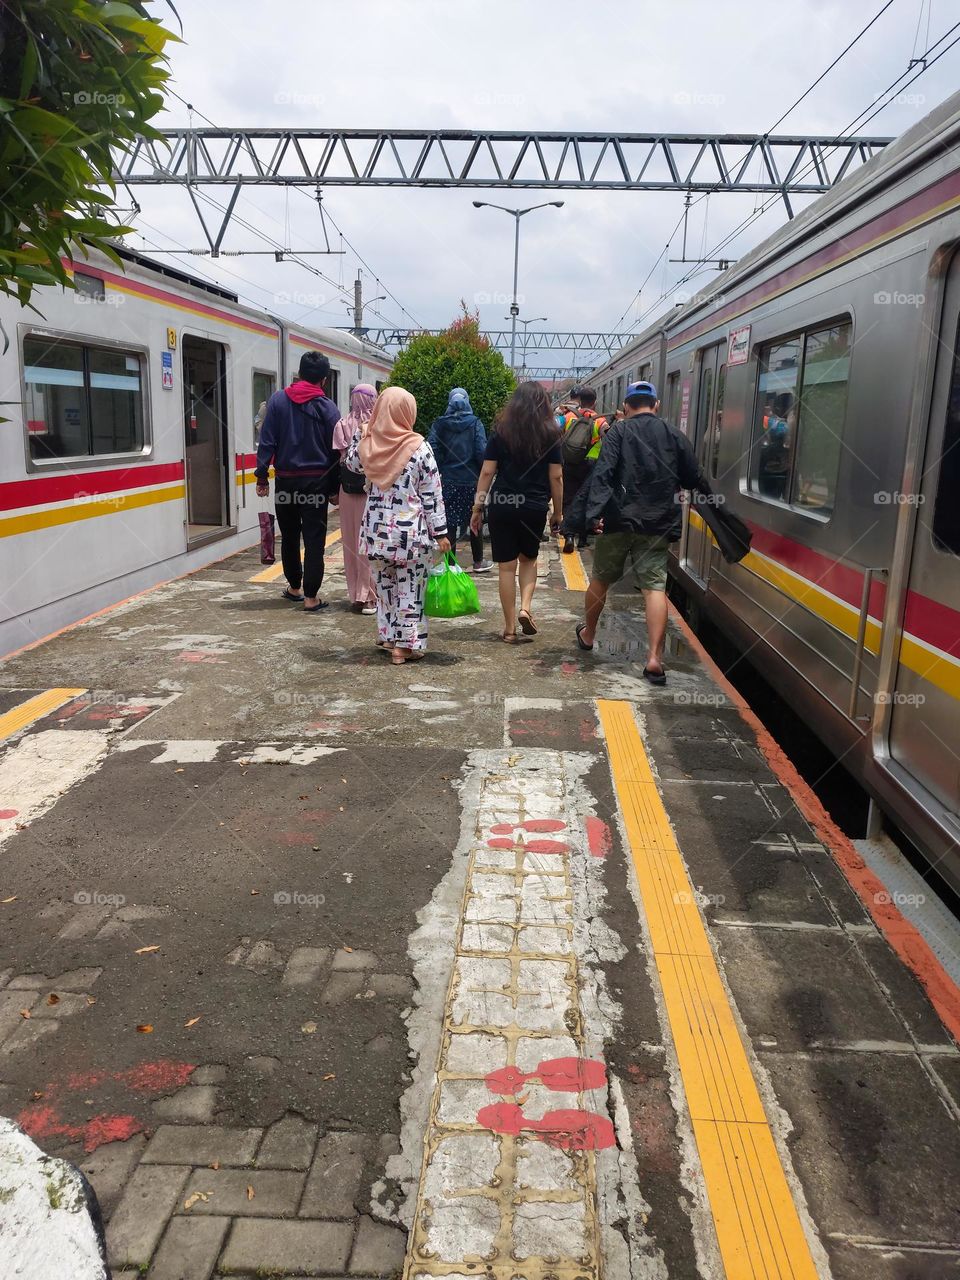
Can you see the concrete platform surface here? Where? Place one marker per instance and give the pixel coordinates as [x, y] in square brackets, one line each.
[503, 964]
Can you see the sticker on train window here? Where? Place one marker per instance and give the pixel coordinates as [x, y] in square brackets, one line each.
[738, 345]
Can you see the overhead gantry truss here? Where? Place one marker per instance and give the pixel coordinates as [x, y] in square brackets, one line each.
[323, 158]
[501, 339]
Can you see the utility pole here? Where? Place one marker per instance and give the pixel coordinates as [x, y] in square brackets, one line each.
[358, 306]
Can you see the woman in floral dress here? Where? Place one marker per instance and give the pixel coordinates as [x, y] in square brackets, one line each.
[404, 520]
[353, 501]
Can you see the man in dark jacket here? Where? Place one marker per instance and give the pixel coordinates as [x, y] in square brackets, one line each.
[297, 438]
[635, 492]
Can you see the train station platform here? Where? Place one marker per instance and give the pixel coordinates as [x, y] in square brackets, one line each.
[500, 965]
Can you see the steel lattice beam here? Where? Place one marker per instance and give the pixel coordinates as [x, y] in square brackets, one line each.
[235, 158]
[500, 338]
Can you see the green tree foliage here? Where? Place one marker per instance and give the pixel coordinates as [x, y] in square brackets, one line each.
[431, 366]
[77, 78]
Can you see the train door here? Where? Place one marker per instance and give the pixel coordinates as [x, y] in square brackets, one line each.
[696, 559]
[205, 435]
[924, 724]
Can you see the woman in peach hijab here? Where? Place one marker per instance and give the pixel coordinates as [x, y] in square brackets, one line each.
[353, 499]
[404, 520]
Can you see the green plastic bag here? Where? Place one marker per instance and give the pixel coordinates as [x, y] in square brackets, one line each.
[451, 593]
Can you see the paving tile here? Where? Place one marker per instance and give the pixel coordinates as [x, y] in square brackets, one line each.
[142, 1213]
[109, 1168]
[189, 1249]
[378, 1250]
[276, 1193]
[288, 1144]
[11, 1002]
[212, 1074]
[192, 1104]
[263, 957]
[305, 966]
[392, 985]
[334, 1182]
[351, 961]
[343, 986]
[300, 1248]
[28, 1032]
[202, 1144]
[67, 1004]
[72, 980]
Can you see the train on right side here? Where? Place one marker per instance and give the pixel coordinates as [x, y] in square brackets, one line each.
[819, 380]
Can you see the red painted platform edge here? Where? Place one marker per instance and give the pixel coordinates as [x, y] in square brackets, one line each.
[902, 935]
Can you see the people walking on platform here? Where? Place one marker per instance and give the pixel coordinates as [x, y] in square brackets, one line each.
[297, 439]
[634, 491]
[353, 500]
[583, 430]
[458, 440]
[404, 520]
[521, 473]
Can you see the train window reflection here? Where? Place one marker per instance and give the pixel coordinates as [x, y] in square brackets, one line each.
[946, 510]
[81, 401]
[802, 404]
[264, 385]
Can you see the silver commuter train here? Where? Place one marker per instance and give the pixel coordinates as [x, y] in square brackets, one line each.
[820, 384]
[133, 408]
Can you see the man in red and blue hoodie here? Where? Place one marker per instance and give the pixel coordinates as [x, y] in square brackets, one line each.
[297, 439]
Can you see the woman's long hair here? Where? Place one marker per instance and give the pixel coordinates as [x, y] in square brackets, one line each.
[526, 424]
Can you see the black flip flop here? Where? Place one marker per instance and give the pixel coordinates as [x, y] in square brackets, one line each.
[581, 644]
[288, 595]
[655, 677]
[315, 608]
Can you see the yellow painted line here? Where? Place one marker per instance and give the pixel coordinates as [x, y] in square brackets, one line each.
[573, 572]
[757, 1223]
[275, 571]
[87, 509]
[34, 709]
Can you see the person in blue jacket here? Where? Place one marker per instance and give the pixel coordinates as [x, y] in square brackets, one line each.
[297, 439]
[458, 441]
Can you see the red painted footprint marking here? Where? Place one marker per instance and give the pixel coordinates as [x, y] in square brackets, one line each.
[502, 838]
[562, 1075]
[569, 1130]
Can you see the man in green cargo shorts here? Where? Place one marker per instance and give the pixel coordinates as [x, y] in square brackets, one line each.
[644, 463]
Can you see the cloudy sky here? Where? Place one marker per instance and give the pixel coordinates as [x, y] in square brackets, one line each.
[625, 65]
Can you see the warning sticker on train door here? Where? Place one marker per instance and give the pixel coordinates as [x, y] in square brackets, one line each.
[166, 370]
[738, 345]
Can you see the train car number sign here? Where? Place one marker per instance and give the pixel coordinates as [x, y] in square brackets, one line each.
[738, 345]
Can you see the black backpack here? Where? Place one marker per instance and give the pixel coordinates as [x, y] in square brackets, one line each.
[576, 441]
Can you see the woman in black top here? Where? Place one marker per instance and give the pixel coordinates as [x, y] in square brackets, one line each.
[522, 470]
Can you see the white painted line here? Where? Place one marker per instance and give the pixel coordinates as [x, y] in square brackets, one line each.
[40, 767]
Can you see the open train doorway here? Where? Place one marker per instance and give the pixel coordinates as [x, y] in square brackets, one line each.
[206, 437]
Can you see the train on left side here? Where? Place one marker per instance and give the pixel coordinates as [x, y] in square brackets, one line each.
[132, 407]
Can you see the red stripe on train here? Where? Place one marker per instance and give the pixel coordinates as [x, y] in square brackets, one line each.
[164, 295]
[63, 487]
[925, 619]
[923, 202]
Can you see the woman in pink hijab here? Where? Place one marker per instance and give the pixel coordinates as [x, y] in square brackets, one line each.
[353, 498]
[403, 522]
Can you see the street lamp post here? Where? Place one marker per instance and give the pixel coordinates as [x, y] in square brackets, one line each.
[517, 214]
[534, 320]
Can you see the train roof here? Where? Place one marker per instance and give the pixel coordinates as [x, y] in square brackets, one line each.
[908, 151]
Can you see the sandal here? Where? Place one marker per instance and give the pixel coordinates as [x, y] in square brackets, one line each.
[315, 608]
[508, 637]
[655, 677]
[581, 643]
[527, 624]
[288, 595]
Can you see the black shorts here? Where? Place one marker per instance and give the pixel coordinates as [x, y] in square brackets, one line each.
[515, 530]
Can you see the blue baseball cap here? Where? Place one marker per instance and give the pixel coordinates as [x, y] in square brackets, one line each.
[641, 389]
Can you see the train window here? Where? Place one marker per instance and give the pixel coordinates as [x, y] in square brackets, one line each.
[264, 385]
[673, 397]
[82, 401]
[946, 510]
[801, 405]
[333, 386]
[713, 443]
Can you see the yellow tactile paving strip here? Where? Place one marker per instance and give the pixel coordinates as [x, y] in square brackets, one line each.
[275, 571]
[34, 708]
[573, 572]
[758, 1227]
